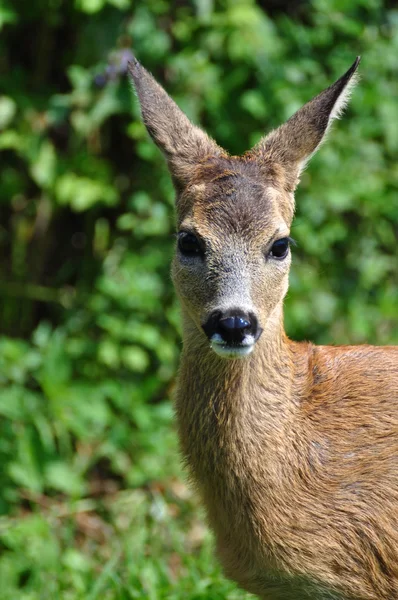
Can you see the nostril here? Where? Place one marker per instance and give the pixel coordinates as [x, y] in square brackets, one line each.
[234, 323]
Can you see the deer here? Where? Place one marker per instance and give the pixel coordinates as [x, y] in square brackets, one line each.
[292, 447]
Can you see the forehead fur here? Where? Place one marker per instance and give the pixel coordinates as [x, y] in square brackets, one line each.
[235, 195]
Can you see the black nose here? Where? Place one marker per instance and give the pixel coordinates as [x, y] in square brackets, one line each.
[233, 326]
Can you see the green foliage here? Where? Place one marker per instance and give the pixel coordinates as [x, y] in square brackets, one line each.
[90, 337]
[139, 544]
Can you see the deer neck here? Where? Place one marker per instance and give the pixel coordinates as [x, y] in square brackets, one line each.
[229, 404]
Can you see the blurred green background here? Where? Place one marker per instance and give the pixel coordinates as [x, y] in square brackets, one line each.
[93, 502]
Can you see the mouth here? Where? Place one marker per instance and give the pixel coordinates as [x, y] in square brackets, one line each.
[228, 350]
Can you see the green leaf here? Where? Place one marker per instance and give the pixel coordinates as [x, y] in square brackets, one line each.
[44, 167]
[90, 6]
[8, 107]
[135, 358]
[82, 193]
[64, 478]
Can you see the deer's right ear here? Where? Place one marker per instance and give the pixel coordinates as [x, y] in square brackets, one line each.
[183, 144]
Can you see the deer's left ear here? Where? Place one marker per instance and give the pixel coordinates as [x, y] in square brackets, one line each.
[294, 142]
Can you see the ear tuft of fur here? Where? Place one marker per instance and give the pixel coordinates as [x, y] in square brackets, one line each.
[133, 64]
[344, 98]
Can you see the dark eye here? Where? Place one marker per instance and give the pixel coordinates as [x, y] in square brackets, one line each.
[189, 244]
[280, 248]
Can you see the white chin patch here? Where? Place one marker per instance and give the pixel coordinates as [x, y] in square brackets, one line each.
[223, 349]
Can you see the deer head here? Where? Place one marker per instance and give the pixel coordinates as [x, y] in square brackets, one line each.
[234, 213]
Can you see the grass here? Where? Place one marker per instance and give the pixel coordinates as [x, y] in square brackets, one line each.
[149, 542]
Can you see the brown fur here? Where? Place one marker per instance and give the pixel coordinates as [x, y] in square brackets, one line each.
[294, 449]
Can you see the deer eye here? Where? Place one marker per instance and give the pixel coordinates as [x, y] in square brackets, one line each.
[188, 244]
[280, 248]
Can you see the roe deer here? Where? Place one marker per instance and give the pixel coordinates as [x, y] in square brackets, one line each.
[293, 447]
